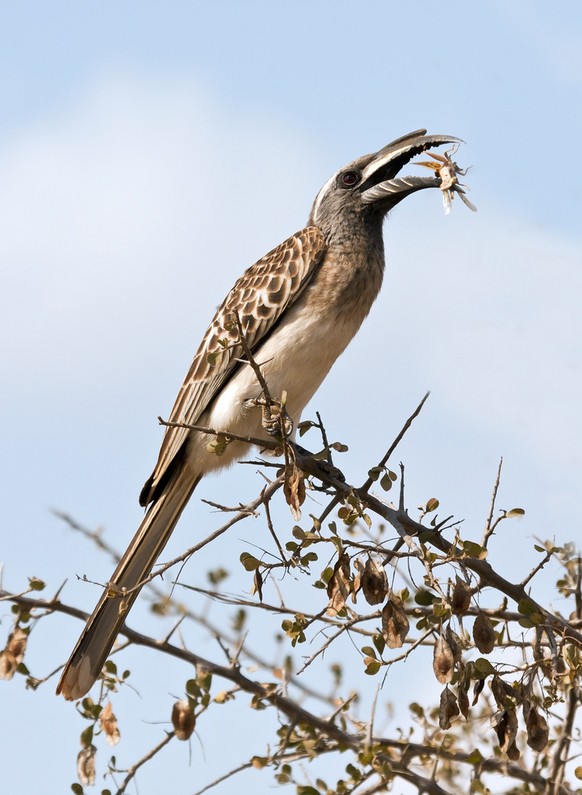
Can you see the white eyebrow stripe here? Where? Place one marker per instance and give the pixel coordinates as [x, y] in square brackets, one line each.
[321, 194]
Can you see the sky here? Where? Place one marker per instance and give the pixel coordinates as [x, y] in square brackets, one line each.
[150, 152]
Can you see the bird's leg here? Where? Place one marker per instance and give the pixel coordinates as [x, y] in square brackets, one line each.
[274, 417]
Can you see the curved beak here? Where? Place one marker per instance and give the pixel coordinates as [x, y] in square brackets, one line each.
[380, 182]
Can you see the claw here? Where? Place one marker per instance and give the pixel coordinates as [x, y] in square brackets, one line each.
[274, 418]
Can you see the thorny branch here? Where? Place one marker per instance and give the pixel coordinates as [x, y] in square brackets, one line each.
[392, 757]
[294, 711]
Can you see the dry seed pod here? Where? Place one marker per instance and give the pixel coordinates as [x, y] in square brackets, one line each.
[447, 708]
[536, 727]
[454, 642]
[374, 582]
[506, 730]
[484, 634]
[443, 661]
[13, 653]
[395, 624]
[463, 700]
[86, 765]
[183, 719]
[109, 725]
[294, 489]
[461, 597]
[339, 586]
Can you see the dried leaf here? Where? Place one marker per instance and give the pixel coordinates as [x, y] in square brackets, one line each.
[448, 708]
[461, 597]
[13, 653]
[339, 586]
[504, 694]
[374, 582]
[109, 725]
[463, 700]
[477, 690]
[484, 634]
[395, 624]
[183, 719]
[86, 765]
[258, 584]
[536, 727]
[454, 642]
[8, 665]
[294, 489]
[443, 661]
[506, 730]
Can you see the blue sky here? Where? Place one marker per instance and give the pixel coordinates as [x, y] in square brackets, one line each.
[149, 152]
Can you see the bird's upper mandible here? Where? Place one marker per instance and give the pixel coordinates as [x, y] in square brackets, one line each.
[369, 187]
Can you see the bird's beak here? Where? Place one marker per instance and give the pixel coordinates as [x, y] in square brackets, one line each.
[380, 182]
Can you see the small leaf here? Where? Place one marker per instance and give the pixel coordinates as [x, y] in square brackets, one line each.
[375, 473]
[448, 708]
[249, 562]
[425, 598]
[372, 667]
[514, 512]
[386, 482]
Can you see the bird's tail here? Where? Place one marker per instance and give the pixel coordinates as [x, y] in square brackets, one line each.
[98, 636]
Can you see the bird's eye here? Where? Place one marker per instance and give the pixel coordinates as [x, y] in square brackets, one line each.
[349, 178]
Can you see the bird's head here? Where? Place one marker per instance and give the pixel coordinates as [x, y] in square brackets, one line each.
[370, 186]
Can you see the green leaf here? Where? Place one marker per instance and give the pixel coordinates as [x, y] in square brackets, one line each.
[372, 667]
[474, 550]
[339, 447]
[386, 482]
[514, 512]
[375, 473]
[425, 598]
[249, 562]
[483, 667]
[379, 642]
[475, 757]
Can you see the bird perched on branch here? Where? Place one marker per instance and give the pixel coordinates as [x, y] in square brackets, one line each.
[296, 309]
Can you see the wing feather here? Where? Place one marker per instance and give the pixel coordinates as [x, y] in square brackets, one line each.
[259, 297]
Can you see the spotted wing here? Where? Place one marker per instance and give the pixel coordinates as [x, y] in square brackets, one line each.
[259, 298]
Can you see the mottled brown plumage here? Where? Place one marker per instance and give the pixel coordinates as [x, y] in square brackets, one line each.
[259, 298]
[299, 307]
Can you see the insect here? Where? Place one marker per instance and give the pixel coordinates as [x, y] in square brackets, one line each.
[447, 170]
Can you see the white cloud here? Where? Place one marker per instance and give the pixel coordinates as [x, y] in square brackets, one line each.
[108, 208]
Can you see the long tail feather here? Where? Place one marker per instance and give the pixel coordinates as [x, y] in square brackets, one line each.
[98, 636]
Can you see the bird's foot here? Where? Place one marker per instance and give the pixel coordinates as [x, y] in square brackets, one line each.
[274, 418]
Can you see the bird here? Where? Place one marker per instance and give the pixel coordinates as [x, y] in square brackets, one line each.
[296, 309]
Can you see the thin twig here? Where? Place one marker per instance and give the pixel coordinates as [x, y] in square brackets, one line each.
[150, 755]
[489, 525]
[384, 460]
